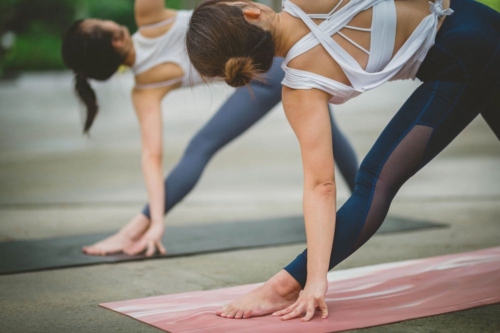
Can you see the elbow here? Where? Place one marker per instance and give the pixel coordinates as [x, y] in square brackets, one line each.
[151, 159]
[326, 189]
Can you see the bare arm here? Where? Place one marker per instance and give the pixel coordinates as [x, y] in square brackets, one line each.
[307, 113]
[150, 11]
[147, 104]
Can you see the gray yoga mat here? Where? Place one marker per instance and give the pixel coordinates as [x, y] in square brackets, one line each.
[35, 255]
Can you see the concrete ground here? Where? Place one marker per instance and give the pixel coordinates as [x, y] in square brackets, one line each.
[56, 182]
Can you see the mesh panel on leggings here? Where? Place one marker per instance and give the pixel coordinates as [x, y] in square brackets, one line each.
[403, 163]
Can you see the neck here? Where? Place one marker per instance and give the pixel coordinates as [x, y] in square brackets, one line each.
[280, 27]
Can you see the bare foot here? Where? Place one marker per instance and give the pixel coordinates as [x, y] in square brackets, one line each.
[122, 239]
[279, 292]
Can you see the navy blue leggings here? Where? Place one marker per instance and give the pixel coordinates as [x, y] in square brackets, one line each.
[239, 113]
[461, 76]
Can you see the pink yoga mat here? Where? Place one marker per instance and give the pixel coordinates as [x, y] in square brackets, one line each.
[356, 298]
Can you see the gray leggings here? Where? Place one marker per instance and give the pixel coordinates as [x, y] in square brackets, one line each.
[237, 115]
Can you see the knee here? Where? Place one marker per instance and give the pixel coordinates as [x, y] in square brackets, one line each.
[365, 180]
[201, 144]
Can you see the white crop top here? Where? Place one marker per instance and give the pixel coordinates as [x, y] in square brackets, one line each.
[380, 68]
[169, 47]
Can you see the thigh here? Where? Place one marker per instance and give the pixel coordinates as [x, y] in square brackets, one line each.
[432, 117]
[491, 114]
[428, 121]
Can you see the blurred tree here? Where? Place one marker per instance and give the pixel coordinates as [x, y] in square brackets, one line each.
[117, 10]
[39, 25]
[52, 14]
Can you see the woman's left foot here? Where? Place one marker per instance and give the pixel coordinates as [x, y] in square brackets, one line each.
[279, 292]
[121, 240]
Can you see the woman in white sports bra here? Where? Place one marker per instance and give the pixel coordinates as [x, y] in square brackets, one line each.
[334, 50]
[94, 49]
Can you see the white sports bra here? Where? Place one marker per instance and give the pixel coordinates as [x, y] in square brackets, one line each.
[169, 47]
[380, 68]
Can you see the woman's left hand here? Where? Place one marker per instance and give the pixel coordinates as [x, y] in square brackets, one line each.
[150, 242]
[312, 297]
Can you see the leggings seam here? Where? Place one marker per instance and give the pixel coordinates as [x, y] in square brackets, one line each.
[374, 183]
[453, 105]
[421, 164]
[425, 124]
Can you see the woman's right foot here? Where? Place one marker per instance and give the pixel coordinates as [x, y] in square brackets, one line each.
[122, 239]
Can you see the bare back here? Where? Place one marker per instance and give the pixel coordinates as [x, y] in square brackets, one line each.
[409, 14]
[148, 16]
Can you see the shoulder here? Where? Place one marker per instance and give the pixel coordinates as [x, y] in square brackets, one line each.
[146, 15]
[303, 98]
[315, 7]
[147, 97]
[162, 72]
[149, 28]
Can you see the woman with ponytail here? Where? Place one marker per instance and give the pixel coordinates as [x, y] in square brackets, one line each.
[335, 50]
[95, 49]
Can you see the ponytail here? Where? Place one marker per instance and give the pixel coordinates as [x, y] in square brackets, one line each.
[88, 97]
[221, 43]
[90, 54]
[239, 71]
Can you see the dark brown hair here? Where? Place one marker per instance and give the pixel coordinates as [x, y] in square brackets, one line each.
[90, 54]
[221, 43]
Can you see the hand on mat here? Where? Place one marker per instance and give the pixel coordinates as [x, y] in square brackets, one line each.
[310, 299]
[150, 242]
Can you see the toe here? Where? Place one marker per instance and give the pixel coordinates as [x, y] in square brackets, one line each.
[225, 311]
[247, 314]
[231, 313]
[239, 314]
[91, 251]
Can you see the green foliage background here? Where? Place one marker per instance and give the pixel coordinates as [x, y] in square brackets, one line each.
[39, 25]
[495, 4]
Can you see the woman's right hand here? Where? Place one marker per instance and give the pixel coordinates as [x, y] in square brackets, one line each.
[311, 298]
[151, 241]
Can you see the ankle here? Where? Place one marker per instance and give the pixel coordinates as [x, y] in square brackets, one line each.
[138, 225]
[284, 284]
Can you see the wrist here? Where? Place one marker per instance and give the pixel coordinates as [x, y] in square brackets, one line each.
[316, 275]
[157, 221]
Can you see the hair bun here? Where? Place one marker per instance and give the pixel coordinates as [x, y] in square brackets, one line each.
[239, 71]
